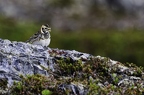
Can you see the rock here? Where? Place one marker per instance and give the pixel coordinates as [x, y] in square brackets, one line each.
[68, 71]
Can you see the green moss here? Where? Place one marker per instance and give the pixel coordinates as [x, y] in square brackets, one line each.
[92, 75]
[68, 67]
[95, 89]
[46, 92]
[35, 84]
[138, 70]
[115, 78]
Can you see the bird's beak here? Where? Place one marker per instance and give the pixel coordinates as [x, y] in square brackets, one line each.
[49, 29]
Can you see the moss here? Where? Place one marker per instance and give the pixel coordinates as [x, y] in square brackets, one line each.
[95, 89]
[35, 84]
[67, 66]
[95, 75]
[46, 92]
[137, 71]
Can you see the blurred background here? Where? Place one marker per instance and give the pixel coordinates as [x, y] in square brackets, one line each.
[110, 28]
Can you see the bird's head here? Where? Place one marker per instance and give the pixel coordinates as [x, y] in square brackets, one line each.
[45, 29]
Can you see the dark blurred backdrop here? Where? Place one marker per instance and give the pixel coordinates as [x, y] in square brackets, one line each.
[111, 28]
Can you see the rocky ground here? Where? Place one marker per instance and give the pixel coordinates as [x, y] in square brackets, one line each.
[27, 69]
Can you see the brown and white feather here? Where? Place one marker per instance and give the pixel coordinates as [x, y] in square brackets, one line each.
[42, 37]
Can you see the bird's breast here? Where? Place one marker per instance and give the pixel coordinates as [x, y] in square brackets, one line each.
[43, 42]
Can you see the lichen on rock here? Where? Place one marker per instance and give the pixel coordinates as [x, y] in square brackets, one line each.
[32, 69]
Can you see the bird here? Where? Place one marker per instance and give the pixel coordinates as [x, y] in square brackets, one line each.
[42, 37]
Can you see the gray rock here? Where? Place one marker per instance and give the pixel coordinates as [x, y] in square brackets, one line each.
[19, 58]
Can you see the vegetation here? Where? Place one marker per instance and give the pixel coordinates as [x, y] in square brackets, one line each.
[35, 84]
[96, 76]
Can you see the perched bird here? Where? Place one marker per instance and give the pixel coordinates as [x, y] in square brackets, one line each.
[42, 37]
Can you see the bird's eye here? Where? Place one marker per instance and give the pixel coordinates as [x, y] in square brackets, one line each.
[43, 29]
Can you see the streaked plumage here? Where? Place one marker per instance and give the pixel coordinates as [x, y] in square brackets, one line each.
[42, 37]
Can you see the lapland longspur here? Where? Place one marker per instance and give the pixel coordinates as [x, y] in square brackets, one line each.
[42, 37]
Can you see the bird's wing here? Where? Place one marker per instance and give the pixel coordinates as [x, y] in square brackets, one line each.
[34, 37]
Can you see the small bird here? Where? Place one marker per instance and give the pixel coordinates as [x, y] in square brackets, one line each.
[42, 37]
